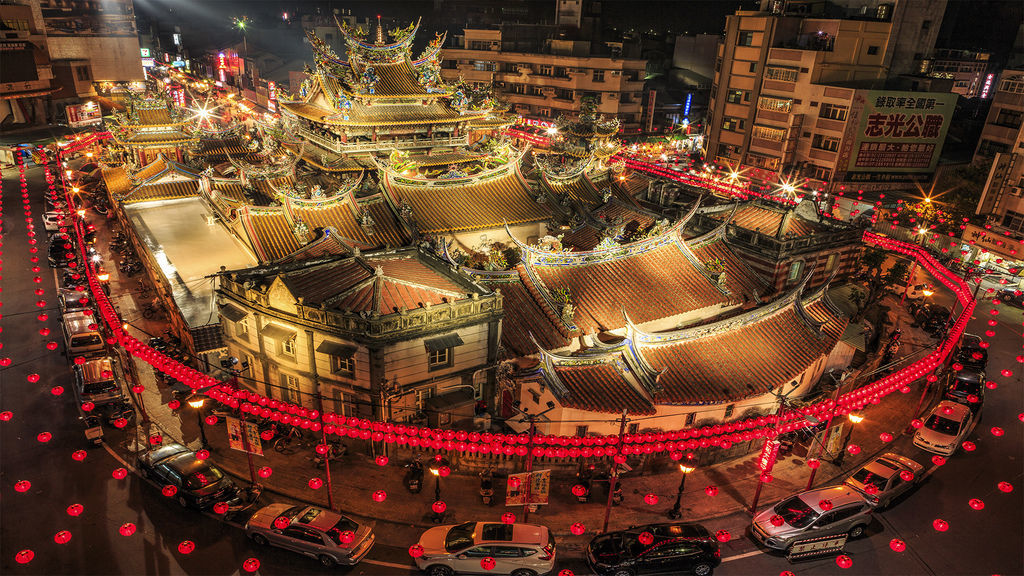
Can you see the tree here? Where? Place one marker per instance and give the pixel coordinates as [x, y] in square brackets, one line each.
[876, 279]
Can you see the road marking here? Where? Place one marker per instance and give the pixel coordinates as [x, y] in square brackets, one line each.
[741, 556]
[388, 564]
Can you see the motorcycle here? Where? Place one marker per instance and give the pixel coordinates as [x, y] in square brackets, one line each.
[335, 451]
[414, 475]
[487, 486]
[585, 476]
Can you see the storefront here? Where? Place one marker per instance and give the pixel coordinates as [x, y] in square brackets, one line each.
[996, 251]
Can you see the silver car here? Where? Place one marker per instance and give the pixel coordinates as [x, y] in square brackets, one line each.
[944, 429]
[327, 536]
[802, 516]
[517, 549]
[881, 480]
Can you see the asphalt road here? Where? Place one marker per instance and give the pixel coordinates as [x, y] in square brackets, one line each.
[978, 542]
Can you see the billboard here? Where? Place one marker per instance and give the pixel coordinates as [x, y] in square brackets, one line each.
[80, 115]
[898, 135]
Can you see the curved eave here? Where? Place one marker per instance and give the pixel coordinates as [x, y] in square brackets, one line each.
[323, 118]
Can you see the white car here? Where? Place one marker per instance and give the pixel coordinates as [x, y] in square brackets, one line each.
[52, 221]
[516, 549]
[945, 428]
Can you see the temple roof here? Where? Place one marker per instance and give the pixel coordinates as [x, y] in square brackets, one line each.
[774, 221]
[435, 112]
[600, 387]
[579, 189]
[468, 203]
[533, 323]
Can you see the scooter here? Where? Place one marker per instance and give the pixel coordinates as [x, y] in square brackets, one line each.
[585, 477]
[487, 486]
[414, 475]
[335, 451]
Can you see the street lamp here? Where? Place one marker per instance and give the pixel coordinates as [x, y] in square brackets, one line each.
[854, 419]
[674, 513]
[197, 403]
[436, 465]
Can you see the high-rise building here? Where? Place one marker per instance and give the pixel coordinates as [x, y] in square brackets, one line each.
[26, 72]
[800, 88]
[102, 33]
[967, 69]
[1002, 143]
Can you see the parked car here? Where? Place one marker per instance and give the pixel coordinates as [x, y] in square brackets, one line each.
[199, 483]
[945, 428]
[70, 300]
[517, 549]
[327, 536]
[884, 474]
[677, 548]
[970, 353]
[966, 387]
[932, 318]
[803, 517]
[99, 381]
[52, 221]
[56, 254]
[1013, 298]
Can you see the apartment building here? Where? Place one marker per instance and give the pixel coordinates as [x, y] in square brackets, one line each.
[967, 69]
[26, 71]
[543, 76]
[1002, 144]
[102, 35]
[795, 93]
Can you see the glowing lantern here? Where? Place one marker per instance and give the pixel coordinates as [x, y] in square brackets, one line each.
[766, 477]
[267, 435]
[897, 545]
[156, 439]
[6, 416]
[777, 520]
[1007, 373]
[646, 538]
[381, 460]
[711, 490]
[885, 437]
[566, 572]
[976, 503]
[508, 518]
[991, 385]
[75, 510]
[321, 449]
[379, 496]
[202, 454]
[169, 490]
[844, 561]
[24, 556]
[825, 505]
[651, 498]
[997, 431]
[127, 529]
[938, 460]
[723, 535]
[487, 563]
[51, 345]
[315, 483]
[969, 446]
[33, 378]
[44, 437]
[579, 490]
[439, 507]
[871, 489]
[940, 525]
[282, 522]
[347, 536]
[514, 482]
[186, 546]
[265, 472]
[577, 528]
[22, 486]
[853, 449]
[174, 404]
[119, 473]
[221, 507]
[211, 420]
[251, 564]
[1005, 487]
[415, 550]
[916, 423]
[120, 422]
[906, 475]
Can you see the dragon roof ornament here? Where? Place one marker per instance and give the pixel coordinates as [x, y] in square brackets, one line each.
[387, 47]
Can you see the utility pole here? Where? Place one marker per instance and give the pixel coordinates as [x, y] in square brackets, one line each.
[529, 468]
[613, 477]
[766, 467]
[320, 406]
[828, 425]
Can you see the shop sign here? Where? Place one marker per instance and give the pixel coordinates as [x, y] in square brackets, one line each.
[993, 241]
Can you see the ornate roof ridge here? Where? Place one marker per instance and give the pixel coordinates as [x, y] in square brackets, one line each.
[549, 258]
[341, 196]
[718, 233]
[635, 334]
[405, 36]
[512, 164]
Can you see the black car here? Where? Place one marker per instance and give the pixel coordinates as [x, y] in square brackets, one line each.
[675, 548]
[932, 318]
[1013, 298]
[970, 352]
[199, 483]
[966, 387]
[56, 254]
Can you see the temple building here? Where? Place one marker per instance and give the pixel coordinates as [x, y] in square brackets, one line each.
[150, 126]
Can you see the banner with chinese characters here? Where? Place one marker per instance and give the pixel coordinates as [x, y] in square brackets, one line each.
[540, 488]
[900, 134]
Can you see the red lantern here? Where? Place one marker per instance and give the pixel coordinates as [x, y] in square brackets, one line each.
[381, 460]
[22, 486]
[853, 449]
[514, 482]
[825, 505]
[723, 535]
[127, 529]
[969, 446]
[566, 572]
[75, 510]
[646, 538]
[186, 546]
[940, 525]
[33, 378]
[577, 528]
[174, 404]
[379, 496]
[169, 490]
[777, 520]
[508, 518]
[415, 550]
[221, 507]
[44, 437]
[711, 490]
[487, 563]
[938, 460]
[156, 439]
[885, 437]
[119, 473]
[997, 431]
[265, 472]
[1005, 487]
[6, 416]
[906, 475]
[439, 507]
[315, 483]
[897, 545]
[844, 561]
[579, 490]
[24, 556]
[976, 503]
[251, 564]
[202, 454]
[916, 423]
[282, 522]
[211, 420]
[766, 477]
[651, 498]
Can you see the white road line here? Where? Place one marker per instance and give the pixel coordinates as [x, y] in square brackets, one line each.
[387, 564]
[741, 556]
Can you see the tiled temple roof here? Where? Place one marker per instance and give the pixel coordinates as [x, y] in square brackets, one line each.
[579, 189]
[740, 278]
[600, 387]
[162, 191]
[151, 117]
[471, 206]
[532, 323]
[435, 112]
[397, 80]
[771, 221]
[116, 180]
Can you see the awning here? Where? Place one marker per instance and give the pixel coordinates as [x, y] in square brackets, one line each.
[443, 342]
[232, 313]
[208, 338]
[336, 349]
[278, 332]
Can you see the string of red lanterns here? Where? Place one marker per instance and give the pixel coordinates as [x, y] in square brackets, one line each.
[551, 446]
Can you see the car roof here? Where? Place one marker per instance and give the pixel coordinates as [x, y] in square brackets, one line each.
[521, 533]
[841, 495]
[316, 517]
[956, 410]
[968, 375]
[92, 370]
[672, 530]
[165, 451]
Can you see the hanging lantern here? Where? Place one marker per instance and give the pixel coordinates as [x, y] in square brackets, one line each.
[646, 538]
[897, 545]
[169, 490]
[251, 564]
[766, 477]
[57, 390]
[1005, 487]
[969, 446]
[79, 455]
[315, 483]
[514, 482]
[777, 520]
[186, 546]
[997, 431]
[566, 572]
[825, 505]
[577, 528]
[381, 460]
[651, 498]
[119, 473]
[6, 416]
[24, 556]
[916, 423]
[75, 510]
[508, 518]
[487, 563]
[44, 437]
[221, 507]
[33, 378]
[265, 472]
[723, 535]
[22, 486]
[156, 439]
[415, 550]
[976, 503]
[940, 525]
[579, 490]
[938, 460]
[906, 475]
[844, 561]
[127, 529]
[711, 490]
[379, 496]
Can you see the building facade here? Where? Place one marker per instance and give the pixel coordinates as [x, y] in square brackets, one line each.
[967, 69]
[1002, 131]
[26, 69]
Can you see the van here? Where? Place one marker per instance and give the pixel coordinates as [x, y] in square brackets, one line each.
[82, 336]
[98, 381]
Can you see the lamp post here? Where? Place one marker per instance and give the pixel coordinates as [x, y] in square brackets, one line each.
[854, 419]
[674, 513]
[196, 402]
[438, 466]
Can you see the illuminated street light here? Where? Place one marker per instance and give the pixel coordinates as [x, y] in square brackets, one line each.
[674, 513]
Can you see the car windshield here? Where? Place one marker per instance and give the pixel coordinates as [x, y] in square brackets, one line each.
[964, 388]
[796, 512]
[343, 525]
[865, 477]
[459, 537]
[99, 386]
[204, 477]
[943, 425]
